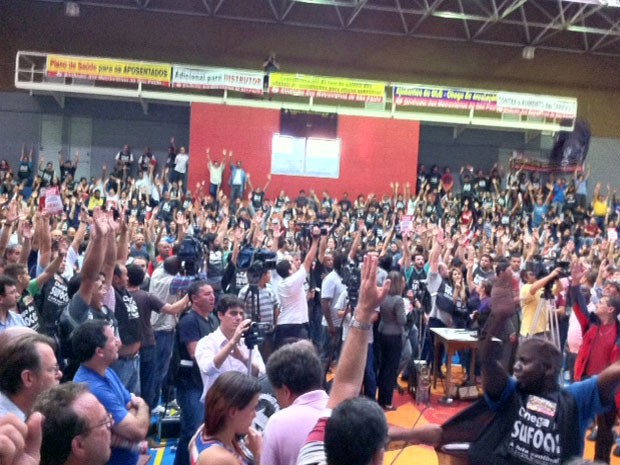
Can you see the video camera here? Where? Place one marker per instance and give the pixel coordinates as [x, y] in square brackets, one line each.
[544, 266]
[191, 254]
[248, 256]
[351, 277]
[256, 334]
[305, 229]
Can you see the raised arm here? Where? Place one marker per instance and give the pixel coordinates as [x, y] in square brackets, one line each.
[503, 305]
[311, 254]
[93, 259]
[350, 370]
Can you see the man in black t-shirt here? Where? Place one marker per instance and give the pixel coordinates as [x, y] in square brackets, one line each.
[193, 326]
[127, 367]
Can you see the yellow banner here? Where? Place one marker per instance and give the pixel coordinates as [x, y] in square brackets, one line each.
[102, 69]
[326, 87]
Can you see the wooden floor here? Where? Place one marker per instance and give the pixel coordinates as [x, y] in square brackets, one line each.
[408, 413]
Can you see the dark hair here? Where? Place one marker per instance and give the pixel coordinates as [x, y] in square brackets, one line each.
[135, 275]
[340, 260]
[230, 390]
[385, 262]
[283, 268]
[356, 430]
[87, 338]
[502, 265]
[61, 423]
[229, 301]
[18, 353]
[194, 288]
[117, 270]
[296, 366]
[4, 282]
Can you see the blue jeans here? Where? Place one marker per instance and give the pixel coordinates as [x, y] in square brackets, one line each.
[128, 371]
[236, 192]
[164, 341]
[192, 416]
[149, 375]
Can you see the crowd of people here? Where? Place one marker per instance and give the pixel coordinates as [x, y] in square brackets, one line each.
[115, 288]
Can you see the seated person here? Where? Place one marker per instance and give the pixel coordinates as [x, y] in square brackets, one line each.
[230, 407]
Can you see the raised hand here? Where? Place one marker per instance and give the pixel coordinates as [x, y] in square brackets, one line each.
[371, 296]
[503, 303]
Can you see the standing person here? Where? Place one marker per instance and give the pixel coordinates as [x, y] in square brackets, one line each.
[269, 66]
[147, 304]
[600, 330]
[164, 325]
[181, 162]
[225, 349]
[96, 348]
[124, 161]
[332, 288]
[197, 323]
[293, 317]
[8, 301]
[391, 328]
[216, 169]
[530, 296]
[532, 404]
[127, 365]
[238, 179]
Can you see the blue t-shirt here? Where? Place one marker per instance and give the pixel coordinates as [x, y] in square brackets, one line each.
[109, 390]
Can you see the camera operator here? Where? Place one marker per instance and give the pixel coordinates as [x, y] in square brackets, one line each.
[530, 295]
[293, 317]
[260, 302]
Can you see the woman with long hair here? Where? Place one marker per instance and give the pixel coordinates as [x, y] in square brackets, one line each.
[230, 407]
[391, 328]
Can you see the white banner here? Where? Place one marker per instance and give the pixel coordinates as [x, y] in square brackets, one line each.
[209, 78]
[543, 105]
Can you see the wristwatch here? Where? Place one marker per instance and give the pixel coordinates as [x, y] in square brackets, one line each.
[363, 326]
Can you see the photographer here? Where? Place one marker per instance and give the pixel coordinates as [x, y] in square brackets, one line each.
[530, 296]
[293, 318]
[260, 302]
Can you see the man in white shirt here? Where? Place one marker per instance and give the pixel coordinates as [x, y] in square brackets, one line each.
[225, 349]
[293, 318]
[216, 169]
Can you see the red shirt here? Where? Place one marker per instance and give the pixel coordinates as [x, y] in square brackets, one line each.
[603, 345]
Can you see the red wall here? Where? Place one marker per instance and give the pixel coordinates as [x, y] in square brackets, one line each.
[375, 151]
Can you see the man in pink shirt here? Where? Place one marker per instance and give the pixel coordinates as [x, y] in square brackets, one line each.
[296, 374]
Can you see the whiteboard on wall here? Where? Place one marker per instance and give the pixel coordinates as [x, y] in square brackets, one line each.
[300, 156]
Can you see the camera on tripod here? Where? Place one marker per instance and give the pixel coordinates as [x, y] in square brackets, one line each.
[544, 267]
[351, 277]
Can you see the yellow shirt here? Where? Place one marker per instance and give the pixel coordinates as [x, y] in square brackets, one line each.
[599, 207]
[529, 304]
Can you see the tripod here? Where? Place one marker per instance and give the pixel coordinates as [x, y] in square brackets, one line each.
[253, 297]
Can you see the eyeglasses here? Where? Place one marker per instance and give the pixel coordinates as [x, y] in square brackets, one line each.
[108, 423]
[53, 369]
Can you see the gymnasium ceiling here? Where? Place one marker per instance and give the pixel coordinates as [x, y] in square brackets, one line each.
[579, 26]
